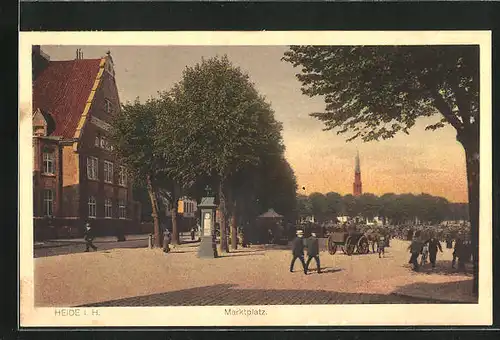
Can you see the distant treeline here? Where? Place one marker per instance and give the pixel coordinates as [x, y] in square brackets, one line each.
[391, 208]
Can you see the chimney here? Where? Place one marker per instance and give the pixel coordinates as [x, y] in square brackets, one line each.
[79, 54]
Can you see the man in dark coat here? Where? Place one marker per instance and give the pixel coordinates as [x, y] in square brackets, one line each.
[415, 249]
[312, 244]
[298, 251]
[167, 237]
[434, 245]
[458, 249]
[88, 236]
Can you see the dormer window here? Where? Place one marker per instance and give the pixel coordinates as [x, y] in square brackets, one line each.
[108, 107]
[103, 143]
[39, 130]
[97, 141]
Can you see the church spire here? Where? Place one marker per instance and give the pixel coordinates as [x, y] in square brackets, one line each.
[357, 185]
[357, 167]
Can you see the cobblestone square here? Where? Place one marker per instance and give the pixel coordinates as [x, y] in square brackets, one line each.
[248, 276]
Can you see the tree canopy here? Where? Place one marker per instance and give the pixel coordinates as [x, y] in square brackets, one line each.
[228, 133]
[374, 92]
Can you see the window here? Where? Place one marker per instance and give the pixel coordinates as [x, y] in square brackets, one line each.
[48, 202]
[92, 167]
[104, 142]
[97, 142]
[108, 208]
[122, 178]
[48, 163]
[108, 107]
[122, 209]
[92, 207]
[108, 172]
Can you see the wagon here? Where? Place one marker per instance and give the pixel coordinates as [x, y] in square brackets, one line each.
[349, 243]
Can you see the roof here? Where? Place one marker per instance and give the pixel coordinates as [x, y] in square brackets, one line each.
[207, 202]
[270, 214]
[62, 90]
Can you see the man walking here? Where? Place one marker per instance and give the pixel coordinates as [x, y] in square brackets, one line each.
[415, 249]
[166, 241]
[456, 251]
[381, 246]
[313, 251]
[434, 245]
[298, 251]
[88, 236]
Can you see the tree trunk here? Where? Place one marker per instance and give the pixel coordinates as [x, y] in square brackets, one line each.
[471, 147]
[223, 219]
[154, 212]
[234, 229]
[175, 230]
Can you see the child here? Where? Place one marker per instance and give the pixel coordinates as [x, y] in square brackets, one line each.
[381, 246]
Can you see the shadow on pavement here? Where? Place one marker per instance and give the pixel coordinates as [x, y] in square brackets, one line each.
[449, 292]
[444, 268]
[328, 270]
[228, 295]
[252, 253]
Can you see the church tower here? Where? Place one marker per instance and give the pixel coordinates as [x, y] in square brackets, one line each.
[357, 186]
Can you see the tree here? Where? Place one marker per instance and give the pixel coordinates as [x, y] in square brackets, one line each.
[304, 207]
[333, 204]
[319, 205]
[368, 205]
[133, 138]
[374, 92]
[223, 125]
[349, 206]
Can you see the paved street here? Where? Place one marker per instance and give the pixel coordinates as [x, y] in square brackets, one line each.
[256, 275]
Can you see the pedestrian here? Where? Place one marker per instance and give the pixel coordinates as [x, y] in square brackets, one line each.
[192, 234]
[166, 241]
[457, 250]
[381, 246]
[434, 245]
[312, 244]
[88, 236]
[415, 250]
[298, 251]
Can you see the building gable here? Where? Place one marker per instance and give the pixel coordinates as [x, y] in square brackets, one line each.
[63, 89]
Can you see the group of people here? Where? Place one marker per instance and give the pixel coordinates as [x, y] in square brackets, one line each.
[428, 249]
[312, 245]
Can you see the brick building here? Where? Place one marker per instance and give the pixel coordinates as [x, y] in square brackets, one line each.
[75, 174]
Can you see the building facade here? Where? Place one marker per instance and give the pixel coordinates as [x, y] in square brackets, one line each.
[76, 176]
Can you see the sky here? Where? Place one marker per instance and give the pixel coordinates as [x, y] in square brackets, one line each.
[430, 162]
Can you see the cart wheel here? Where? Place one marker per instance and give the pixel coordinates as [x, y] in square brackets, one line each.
[331, 246]
[349, 246]
[363, 245]
[334, 249]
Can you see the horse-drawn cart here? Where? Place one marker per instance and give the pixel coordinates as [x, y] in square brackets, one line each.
[348, 242]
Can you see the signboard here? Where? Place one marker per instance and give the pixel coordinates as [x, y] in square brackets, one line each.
[207, 223]
[100, 123]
